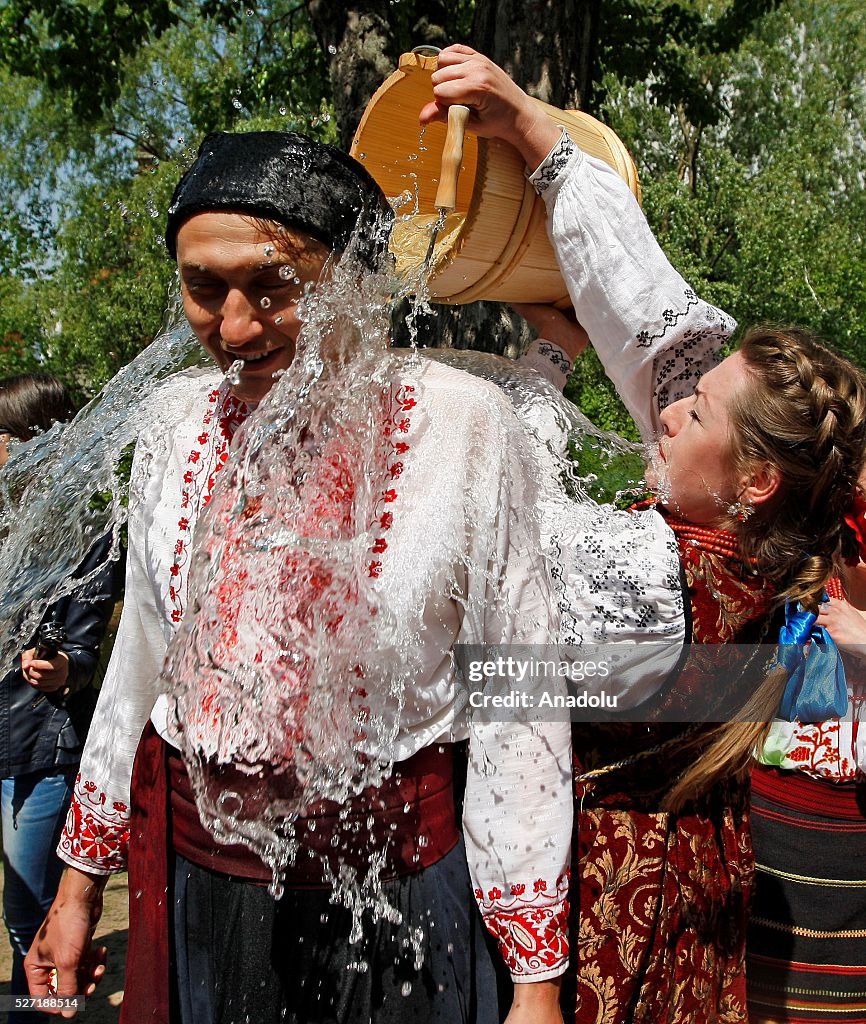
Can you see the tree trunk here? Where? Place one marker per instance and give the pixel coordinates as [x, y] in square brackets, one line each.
[547, 46]
[363, 42]
[360, 47]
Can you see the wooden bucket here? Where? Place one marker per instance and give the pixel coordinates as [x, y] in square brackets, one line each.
[494, 245]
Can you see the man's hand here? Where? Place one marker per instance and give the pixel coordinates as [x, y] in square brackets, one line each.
[500, 108]
[45, 674]
[62, 960]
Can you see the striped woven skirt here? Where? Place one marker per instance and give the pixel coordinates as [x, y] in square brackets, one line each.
[806, 951]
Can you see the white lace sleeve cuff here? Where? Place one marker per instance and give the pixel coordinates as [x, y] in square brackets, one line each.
[550, 173]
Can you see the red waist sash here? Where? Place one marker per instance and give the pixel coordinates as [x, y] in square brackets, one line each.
[411, 817]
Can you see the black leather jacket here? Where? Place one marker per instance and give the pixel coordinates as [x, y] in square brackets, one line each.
[39, 731]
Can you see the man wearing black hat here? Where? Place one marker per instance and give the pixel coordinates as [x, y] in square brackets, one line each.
[252, 225]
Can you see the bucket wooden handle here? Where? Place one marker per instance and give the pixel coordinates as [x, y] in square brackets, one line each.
[452, 157]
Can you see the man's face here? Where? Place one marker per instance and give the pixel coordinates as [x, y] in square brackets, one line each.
[240, 288]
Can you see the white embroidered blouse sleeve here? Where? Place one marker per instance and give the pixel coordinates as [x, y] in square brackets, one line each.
[653, 334]
[97, 829]
[518, 804]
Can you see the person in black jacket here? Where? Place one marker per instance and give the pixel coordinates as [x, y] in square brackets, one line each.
[46, 703]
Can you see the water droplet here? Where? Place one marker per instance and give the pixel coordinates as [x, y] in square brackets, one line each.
[286, 272]
[278, 319]
[269, 250]
[265, 302]
[236, 103]
[332, 49]
[282, 111]
[362, 157]
[233, 373]
[406, 990]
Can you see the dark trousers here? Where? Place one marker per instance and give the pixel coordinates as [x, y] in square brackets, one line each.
[242, 956]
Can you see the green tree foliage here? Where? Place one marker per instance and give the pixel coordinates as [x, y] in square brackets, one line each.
[745, 117]
[87, 172]
[771, 224]
[758, 197]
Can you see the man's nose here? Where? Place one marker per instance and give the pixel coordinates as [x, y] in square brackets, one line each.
[241, 320]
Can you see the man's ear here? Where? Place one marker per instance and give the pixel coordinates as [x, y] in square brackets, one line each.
[760, 484]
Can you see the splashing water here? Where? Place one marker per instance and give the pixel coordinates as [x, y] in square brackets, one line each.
[285, 685]
[61, 492]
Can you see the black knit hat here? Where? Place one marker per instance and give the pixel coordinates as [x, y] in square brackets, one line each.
[287, 178]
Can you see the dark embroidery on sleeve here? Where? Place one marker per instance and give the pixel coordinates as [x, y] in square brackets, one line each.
[670, 318]
[555, 355]
[553, 165]
[678, 369]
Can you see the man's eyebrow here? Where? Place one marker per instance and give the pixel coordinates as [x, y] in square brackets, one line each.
[194, 267]
[275, 265]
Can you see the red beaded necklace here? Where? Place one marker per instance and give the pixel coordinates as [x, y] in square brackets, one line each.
[706, 538]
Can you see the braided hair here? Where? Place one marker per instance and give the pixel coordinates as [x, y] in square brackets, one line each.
[803, 414]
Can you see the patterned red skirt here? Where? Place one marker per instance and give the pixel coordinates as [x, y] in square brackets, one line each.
[660, 906]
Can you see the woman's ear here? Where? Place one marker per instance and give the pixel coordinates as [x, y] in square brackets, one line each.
[761, 484]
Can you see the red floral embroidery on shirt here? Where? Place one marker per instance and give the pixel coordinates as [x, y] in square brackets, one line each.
[531, 930]
[96, 834]
[206, 461]
[828, 750]
[310, 592]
